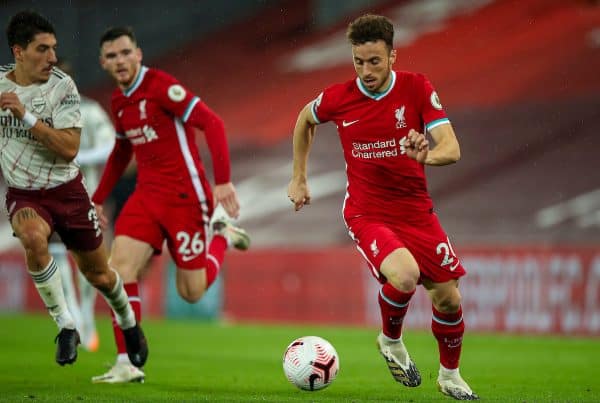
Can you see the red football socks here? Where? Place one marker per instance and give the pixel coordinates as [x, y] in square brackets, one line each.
[393, 304]
[133, 294]
[214, 259]
[448, 329]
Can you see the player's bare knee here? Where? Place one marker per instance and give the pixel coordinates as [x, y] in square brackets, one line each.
[192, 298]
[448, 304]
[190, 295]
[403, 281]
[33, 239]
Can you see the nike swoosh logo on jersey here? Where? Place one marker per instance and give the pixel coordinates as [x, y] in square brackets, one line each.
[346, 124]
[187, 258]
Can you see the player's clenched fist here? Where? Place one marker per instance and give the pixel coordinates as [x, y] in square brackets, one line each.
[417, 146]
[298, 193]
[10, 101]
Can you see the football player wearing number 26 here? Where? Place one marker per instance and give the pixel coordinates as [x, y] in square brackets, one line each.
[155, 117]
[382, 117]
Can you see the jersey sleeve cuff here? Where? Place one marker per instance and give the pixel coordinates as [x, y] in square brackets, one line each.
[314, 112]
[189, 109]
[438, 122]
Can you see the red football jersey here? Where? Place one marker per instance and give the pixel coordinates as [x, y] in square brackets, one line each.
[152, 116]
[373, 127]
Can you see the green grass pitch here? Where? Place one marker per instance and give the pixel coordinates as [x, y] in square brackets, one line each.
[207, 361]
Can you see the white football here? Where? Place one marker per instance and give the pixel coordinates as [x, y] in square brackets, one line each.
[311, 363]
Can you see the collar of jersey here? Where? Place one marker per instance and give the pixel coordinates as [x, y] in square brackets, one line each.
[137, 82]
[376, 95]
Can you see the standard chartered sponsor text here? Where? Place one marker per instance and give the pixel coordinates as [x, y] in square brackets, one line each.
[378, 149]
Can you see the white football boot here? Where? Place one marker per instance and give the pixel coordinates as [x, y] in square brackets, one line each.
[121, 372]
[451, 383]
[401, 367]
[222, 224]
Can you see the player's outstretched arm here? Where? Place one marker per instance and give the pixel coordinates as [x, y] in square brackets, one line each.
[304, 133]
[63, 142]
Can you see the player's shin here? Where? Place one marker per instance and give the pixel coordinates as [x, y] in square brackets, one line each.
[87, 294]
[87, 301]
[59, 252]
[133, 295]
[119, 340]
[117, 299]
[394, 305]
[448, 329]
[215, 257]
[49, 286]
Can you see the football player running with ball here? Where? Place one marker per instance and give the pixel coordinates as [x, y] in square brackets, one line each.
[382, 117]
[155, 120]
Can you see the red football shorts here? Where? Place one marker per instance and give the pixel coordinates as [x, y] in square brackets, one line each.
[66, 208]
[183, 224]
[424, 238]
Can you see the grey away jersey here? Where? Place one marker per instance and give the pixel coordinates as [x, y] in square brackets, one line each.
[97, 141]
[26, 163]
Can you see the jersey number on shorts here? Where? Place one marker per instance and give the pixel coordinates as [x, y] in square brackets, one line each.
[191, 246]
[449, 256]
[93, 217]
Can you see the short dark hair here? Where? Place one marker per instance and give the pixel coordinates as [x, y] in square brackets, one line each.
[113, 33]
[371, 28]
[24, 26]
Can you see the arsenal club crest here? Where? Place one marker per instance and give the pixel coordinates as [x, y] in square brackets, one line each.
[38, 104]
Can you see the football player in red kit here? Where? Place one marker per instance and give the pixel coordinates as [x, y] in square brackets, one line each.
[155, 117]
[382, 117]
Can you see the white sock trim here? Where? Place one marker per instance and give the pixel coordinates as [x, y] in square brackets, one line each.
[390, 340]
[446, 371]
[117, 283]
[123, 358]
[45, 273]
